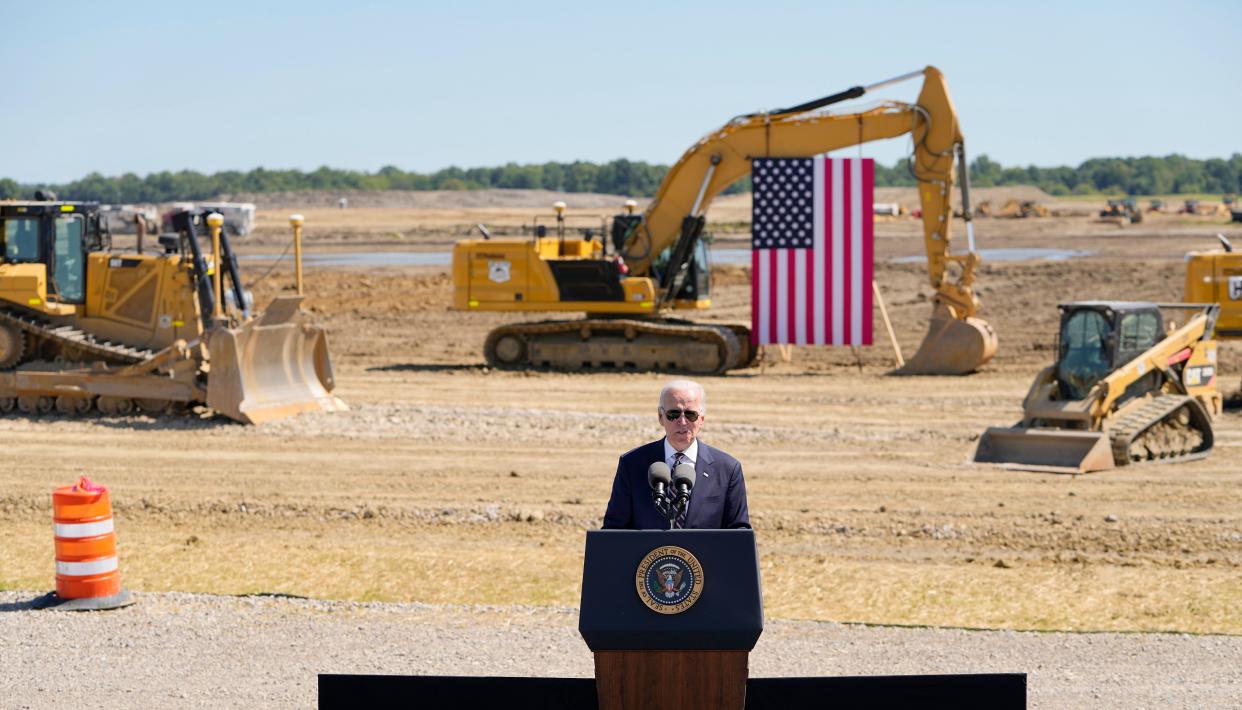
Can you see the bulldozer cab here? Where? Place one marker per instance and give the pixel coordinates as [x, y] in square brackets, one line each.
[57, 235]
[1098, 337]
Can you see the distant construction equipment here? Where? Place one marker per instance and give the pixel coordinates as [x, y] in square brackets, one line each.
[1127, 387]
[1012, 209]
[1121, 212]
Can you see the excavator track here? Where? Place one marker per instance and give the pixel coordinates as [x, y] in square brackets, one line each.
[68, 339]
[603, 344]
[1168, 428]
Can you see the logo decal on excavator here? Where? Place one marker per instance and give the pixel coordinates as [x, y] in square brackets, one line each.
[498, 271]
[1235, 288]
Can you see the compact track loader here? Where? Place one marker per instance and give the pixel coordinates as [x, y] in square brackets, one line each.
[1124, 389]
[85, 327]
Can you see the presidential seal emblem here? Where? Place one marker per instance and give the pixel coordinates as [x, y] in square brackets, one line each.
[669, 580]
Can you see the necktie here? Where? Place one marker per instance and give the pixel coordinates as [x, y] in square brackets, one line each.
[680, 521]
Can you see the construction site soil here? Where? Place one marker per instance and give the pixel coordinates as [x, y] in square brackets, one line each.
[456, 487]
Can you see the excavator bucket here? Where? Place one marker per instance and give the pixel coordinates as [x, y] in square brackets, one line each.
[272, 367]
[1054, 450]
[952, 346]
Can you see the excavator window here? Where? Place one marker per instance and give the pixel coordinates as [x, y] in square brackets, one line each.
[21, 239]
[697, 282]
[1083, 354]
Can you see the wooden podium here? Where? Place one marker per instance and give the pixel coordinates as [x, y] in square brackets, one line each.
[671, 616]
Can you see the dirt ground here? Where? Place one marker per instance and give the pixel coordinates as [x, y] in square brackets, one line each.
[448, 482]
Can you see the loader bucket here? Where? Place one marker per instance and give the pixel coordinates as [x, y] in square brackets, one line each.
[1053, 450]
[952, 346]
[274, 366]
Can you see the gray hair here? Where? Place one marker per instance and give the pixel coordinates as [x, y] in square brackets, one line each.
[690, 385]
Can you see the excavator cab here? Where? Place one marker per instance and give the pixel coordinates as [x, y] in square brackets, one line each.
[693, 280]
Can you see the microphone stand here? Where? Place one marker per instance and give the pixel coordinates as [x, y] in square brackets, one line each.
[662, 506]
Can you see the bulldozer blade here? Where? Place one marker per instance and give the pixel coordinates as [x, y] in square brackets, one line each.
[1053, 450]
[952, 346]
[272, 367]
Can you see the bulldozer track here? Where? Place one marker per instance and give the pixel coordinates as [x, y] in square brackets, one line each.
[73, 347]
[732, 345]
[1153, 433]
[66, 337]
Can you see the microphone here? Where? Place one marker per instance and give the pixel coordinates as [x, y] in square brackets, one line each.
[659, 478]
[683, 479]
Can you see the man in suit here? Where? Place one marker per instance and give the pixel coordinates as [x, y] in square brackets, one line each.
[718, 499]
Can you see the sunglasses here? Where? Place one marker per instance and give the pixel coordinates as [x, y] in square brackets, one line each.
[675, 414]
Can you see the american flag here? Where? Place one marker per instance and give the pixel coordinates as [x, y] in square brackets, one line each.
[812, 246]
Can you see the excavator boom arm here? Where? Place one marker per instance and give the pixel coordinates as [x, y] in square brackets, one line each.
[723, 156]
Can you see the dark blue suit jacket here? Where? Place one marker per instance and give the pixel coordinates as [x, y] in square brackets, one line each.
[718, 499]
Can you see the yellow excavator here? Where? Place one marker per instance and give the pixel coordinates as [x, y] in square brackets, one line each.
[85, 327]
[1127, 387]
[629, 323]
[1215, 276]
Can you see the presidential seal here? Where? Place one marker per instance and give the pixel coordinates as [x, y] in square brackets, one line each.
[669, 580]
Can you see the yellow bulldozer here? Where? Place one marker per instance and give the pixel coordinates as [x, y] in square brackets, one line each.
[654, 263]
[1127, 387]
[84, 326]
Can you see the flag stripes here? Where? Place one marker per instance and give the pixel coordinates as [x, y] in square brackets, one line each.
[812, 251]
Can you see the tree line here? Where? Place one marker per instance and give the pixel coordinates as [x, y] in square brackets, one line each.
[1172, 174]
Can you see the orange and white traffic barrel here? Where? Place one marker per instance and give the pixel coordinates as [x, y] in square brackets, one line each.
[88, 575]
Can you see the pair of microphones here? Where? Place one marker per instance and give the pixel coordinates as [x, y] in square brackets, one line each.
[680, 481]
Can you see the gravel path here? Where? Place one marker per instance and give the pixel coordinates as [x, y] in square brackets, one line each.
[189, 650]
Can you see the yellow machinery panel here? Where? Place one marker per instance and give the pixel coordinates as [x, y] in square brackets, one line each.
[23, 284]
[144, 300]
[1216, 277]
[516, 275]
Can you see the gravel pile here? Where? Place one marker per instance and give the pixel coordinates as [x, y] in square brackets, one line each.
[187, 650]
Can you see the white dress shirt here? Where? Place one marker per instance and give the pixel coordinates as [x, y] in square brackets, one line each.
[691, 454]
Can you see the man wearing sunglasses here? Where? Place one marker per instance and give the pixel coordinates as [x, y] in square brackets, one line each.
[718, 499]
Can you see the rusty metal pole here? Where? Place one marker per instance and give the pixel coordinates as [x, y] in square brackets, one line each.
[215, 221]
[296, 221]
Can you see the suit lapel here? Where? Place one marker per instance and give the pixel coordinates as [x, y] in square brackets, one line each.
[704, 480]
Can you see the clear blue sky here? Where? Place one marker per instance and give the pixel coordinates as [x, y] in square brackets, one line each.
[140, 87]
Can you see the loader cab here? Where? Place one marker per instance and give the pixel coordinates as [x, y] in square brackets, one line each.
[1098, 337]
[56, 235]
